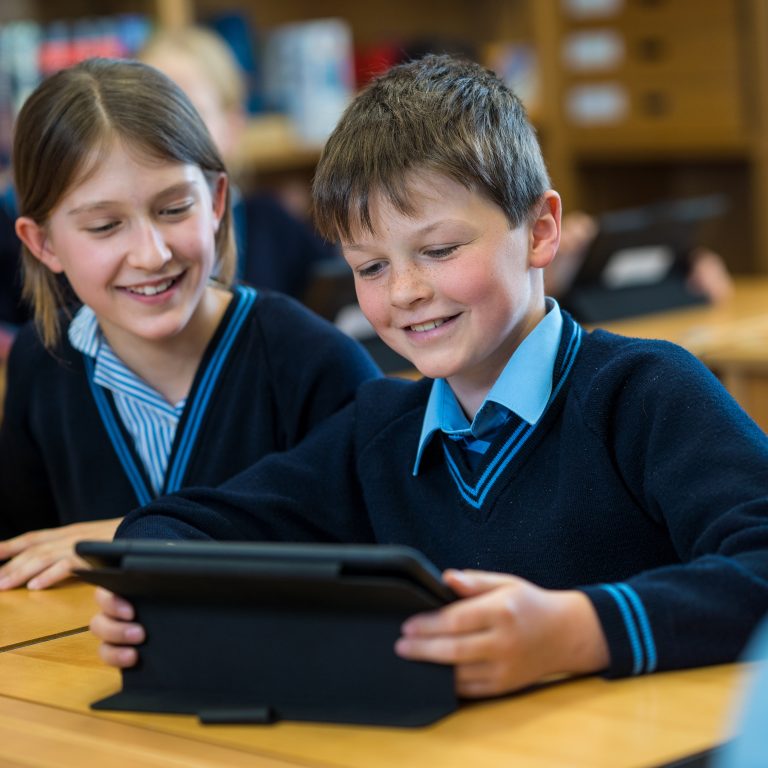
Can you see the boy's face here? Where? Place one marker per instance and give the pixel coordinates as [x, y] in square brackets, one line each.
[452, 287]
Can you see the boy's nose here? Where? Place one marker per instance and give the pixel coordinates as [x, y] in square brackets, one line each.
[149, 250]
[408, 286]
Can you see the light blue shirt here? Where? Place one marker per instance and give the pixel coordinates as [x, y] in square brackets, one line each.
[147, 416]
[523, 388]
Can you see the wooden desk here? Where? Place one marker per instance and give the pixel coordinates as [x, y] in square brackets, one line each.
[589, 723]
[48, 737]
[27, 616]
[730, 338]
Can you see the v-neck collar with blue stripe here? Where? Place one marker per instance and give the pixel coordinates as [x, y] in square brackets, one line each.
[523, 388]
[142, 412]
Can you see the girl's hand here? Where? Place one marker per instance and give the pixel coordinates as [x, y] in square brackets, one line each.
[113, 625]
[506, 634]
[42, 558]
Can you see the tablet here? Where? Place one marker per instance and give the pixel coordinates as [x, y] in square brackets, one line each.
[264, 561]
[638, 262]
[260, 632]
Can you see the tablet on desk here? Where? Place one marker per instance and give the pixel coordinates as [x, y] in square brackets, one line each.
[262, 632]
[638, 262]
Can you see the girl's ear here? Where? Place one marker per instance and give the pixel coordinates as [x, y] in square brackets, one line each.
[219, 196]
[545, 230]
[36, 239]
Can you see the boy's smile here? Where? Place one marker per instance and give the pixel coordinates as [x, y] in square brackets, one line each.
[452, 287]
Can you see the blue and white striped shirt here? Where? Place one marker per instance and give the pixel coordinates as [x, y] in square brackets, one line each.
[147, 416]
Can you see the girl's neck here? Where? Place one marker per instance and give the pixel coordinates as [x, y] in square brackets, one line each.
[169, 365]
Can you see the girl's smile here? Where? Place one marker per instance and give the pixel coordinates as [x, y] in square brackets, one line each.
[158, 290]
[136, 241]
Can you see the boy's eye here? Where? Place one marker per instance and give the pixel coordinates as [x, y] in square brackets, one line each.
[371, 270]
[439, 253]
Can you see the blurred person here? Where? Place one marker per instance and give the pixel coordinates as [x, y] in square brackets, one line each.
[707, 274]
[275, 249]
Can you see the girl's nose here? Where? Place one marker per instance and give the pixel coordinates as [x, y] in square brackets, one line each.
[149, 251]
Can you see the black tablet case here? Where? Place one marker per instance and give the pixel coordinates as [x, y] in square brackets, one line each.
[238, 640]
[670, 223]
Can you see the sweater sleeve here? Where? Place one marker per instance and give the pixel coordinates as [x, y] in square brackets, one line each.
[698, 466]
[26, 499]
[308, 494]
[316, 369]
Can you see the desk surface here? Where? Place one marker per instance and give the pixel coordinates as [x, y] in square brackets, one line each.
[738, 324]
[590, 722]
[28, 616]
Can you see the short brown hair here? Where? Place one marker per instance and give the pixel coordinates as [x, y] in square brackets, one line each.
[81, 110]
[438, 114]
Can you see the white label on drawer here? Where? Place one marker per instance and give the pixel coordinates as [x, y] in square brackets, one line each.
[596, 103]
[590, 9]
[593, 50]
[644, 265]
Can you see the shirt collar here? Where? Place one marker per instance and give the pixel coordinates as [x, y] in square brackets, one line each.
[523, 387]
[84, 332]
[110, 371]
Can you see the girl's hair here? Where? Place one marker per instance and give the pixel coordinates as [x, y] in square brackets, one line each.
[64, 130]
[437, 114]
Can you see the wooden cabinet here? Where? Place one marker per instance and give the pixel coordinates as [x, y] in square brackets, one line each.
[690, 80]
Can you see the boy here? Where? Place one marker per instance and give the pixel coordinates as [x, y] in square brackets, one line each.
[615, 478]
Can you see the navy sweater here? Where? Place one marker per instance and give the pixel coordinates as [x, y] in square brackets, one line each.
[644, 484]
[271, 373]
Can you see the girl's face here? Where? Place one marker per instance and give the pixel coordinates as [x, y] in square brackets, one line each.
[136, 241]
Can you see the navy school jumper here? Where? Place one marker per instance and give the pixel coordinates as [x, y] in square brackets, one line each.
[271, 373]
[644, 484]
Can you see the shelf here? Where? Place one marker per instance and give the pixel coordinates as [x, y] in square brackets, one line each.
[271, 144]
[642, 144]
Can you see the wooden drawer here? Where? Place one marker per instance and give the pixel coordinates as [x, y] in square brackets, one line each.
[685, 16]
[637, 53]
[714, 104]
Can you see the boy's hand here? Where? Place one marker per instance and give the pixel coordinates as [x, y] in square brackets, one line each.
[116, 630]
[42, 558]
[506, 633]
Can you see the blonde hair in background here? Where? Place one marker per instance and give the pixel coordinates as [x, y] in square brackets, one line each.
[203, 65]
[209, 49]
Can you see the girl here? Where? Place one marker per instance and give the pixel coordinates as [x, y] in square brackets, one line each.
[164, 376]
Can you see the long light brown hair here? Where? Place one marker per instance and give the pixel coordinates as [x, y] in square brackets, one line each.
[64, 130]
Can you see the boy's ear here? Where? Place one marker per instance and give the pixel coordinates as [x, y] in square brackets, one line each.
[545, 230]
[219, 199]
[36, 239]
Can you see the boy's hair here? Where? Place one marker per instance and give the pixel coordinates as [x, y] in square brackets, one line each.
[438, 114]
[64, 130]
[217, 62]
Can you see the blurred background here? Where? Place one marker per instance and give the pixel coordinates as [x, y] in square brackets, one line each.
[647, 110]
[635, 101]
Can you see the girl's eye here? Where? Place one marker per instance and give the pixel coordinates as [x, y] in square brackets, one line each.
[103, 229]
[177, 210]
[439, 253]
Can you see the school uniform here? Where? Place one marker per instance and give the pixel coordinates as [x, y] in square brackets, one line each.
[271, 373]
[641, 482]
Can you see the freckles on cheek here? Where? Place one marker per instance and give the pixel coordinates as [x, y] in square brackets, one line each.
[371, 306]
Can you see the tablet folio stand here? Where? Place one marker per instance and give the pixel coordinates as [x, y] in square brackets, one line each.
[242, 646]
